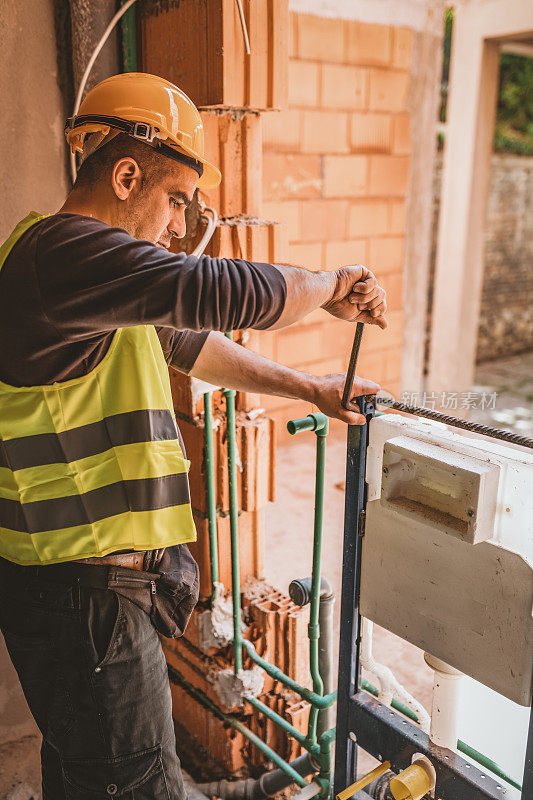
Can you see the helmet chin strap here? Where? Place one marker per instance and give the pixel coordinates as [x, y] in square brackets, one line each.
[137, 130]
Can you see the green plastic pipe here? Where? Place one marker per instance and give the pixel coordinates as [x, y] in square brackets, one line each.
[321, 702]
[177, 677]
[487, 763]
[284, 725]
[210, 486]
[319, 424]
[234, 529]
[129, 39]
[464, 748]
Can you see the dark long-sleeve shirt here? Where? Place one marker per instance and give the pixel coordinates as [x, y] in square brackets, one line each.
[70, 281]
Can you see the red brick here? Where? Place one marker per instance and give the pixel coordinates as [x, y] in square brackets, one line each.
[235, 146]
[402, 47]
[368, 218]
[293, 410]
[389, 176]
[397, 216]
[288, 213]
[345, 176]
[182, 395]
[304, 84]
[352, 251]
[263, 342]
[386, 254]
[248, 238]
[317, 36]
[368, 43]
[393, 285]
[325, 132]
[371, 132]
[251, 549]
[306, 255]
[402, 135]
[393, 365]
[297, 346]
[281, 130]
[324, 219]
[344, 87]
[371, 364]
[388, 90]
[287, 176]
[293, 34]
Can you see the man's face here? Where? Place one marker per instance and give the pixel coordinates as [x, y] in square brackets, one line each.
[156, 211]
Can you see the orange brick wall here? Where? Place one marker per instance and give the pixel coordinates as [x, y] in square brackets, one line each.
[336, 172]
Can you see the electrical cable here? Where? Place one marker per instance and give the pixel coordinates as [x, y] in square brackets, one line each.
[103, 39]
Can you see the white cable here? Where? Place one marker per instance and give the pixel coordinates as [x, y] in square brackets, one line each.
[390, 688]
[103, 39]
[209, 231]
[244, 28]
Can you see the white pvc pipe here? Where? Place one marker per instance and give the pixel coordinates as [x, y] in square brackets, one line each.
[208, 233]
[444, 729]
[306, 792]
[389, 687]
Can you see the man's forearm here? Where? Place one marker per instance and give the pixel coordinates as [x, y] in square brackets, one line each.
[224, 363]
[306, 291]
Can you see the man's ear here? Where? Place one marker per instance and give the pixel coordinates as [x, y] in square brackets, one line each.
[126, 177]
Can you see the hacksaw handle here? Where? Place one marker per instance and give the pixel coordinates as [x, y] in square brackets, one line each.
[348, 386]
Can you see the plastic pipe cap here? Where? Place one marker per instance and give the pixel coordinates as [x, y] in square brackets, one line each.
[414, 782]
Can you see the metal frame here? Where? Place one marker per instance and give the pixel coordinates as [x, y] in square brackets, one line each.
[362, 721]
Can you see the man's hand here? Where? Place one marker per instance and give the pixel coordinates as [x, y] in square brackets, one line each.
[357, 297]
[328, 397]
[224, 363]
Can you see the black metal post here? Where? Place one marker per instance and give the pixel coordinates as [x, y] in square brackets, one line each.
[349, 669]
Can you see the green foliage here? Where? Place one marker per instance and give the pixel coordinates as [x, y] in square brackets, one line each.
[514, 117]
[447, 44]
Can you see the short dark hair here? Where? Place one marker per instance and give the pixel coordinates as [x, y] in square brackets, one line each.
[100, 163]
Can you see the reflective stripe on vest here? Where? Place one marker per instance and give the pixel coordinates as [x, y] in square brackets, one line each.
[93, 465]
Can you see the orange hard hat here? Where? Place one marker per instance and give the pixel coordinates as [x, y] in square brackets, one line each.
[151, 110]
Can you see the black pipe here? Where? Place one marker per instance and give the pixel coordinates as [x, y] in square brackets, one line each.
[266, 786]
[379, 789]
[300, 593]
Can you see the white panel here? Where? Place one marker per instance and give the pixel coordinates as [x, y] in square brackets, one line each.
[468, 604]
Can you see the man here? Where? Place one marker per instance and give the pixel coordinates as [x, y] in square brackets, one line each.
[94, 504]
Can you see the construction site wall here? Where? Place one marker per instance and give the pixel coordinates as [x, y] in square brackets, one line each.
[336, 174]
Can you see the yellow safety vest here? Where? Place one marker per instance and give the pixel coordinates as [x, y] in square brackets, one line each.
[93, 464]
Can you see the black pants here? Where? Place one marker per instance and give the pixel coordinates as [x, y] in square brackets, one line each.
[93, 673]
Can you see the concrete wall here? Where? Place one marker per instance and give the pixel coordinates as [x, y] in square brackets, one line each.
[34, 177]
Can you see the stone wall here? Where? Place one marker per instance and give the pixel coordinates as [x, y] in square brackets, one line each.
[506, 321]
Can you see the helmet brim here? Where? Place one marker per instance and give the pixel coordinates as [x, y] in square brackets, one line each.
[211, 176]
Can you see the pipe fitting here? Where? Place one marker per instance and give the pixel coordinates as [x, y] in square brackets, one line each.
[318, 423]
[300, 590]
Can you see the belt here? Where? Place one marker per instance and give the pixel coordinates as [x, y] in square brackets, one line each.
[129, 560]
[97, 576]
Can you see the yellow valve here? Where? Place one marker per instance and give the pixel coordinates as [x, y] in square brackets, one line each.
[415, 781]
[364, 781]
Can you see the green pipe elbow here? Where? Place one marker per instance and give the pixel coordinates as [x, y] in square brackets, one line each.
[318, 423]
